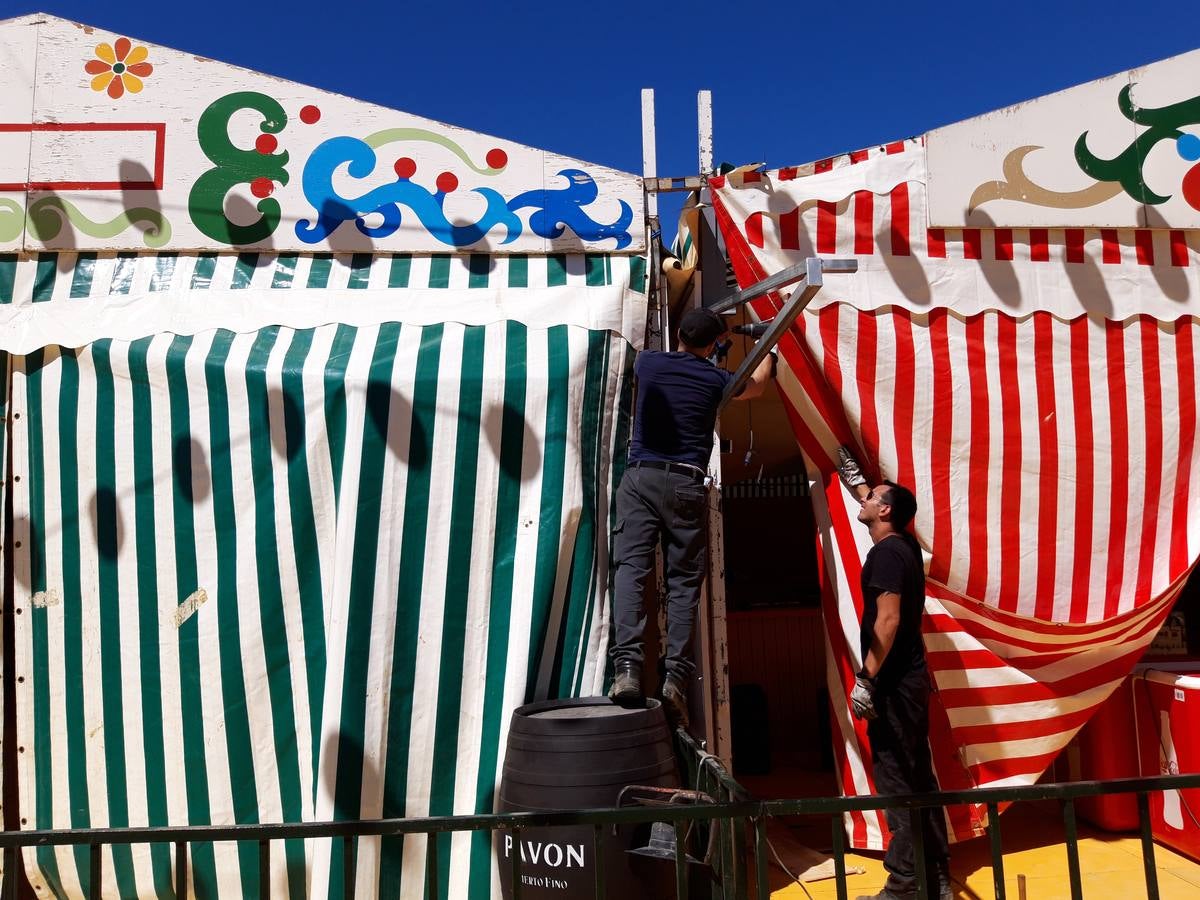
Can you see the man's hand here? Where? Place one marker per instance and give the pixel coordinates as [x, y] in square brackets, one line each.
[862, 699]
[773, 353]
[849, 469]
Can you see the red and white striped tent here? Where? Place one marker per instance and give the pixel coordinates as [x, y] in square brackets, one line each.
[1037, 389]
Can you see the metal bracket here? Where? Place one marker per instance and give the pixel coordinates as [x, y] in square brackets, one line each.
[783, 278]
[812, 279]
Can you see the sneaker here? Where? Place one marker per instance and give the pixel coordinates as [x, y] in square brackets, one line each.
[675, 700]
[627, 685]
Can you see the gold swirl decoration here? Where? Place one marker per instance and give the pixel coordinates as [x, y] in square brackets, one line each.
[1019, 188]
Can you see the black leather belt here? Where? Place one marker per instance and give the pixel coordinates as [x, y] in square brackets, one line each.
[678, 468]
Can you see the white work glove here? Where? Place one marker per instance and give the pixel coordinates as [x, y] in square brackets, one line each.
[848, 468]
[774, 354]
[862, 699]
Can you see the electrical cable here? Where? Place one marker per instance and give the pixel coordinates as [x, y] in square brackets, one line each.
[787, 871]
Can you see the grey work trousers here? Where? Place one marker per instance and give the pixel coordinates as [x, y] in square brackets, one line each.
[902, 765]
[653, 505]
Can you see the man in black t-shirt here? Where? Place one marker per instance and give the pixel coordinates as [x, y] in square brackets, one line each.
[663, 497]
[892, 689]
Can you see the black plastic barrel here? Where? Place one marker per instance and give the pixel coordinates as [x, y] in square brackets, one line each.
[579, 754]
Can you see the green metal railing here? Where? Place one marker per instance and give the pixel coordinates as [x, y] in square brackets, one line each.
[731, 817]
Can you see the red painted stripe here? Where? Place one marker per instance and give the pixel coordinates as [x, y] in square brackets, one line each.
[1075, 246]
[844, 549]
[754, 228]
[952, 775]
[1153, 458]
[826, 227]
[1046, 636]
[1078, 682]
[1021, 731]
[935, 242]
[1039, 244]
[851, 565]
[1144, 242]
[1185, 364]
[1010, 464]
[1004, 243]
[831, 364]
[1047, 519]
[812, 382]
[1179, 248]
[1042, 637]
[1110, 246]
[1011, 767]
[751, 177]
[900, 221]
[844, 667]
[978, 451]
[823, 165]
[858, 156]
[972, 239]
[789, 230]
[787, 174]
[894, 147]
[864, 223]
[946, 660]
[941, 438]
[1081, 521]
[957, 659]
[902, 401]
[865, 376]
[1118, 414]
[716, 181]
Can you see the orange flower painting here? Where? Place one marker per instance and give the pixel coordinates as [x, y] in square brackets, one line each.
[119, 67]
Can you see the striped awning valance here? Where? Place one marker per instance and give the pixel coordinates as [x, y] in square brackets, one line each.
[71, 299]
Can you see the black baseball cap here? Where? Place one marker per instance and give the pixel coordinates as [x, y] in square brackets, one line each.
[700, 327]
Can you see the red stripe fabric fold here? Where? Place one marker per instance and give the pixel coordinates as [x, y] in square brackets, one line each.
[1053, 457]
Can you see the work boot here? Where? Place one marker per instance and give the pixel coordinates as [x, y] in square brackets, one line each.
[627, 685]
[675, 700]
[945, 887]
[945, 891]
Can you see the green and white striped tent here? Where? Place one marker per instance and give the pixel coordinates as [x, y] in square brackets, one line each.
[294, 535]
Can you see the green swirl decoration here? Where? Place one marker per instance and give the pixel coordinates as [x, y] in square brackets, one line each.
[393, 135]
[1126, 167]
[48, 216]
[234, 166]
[12, 219]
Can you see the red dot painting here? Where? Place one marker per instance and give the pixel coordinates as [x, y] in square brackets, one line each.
[497, 158]
[310, 115]
[405, 167]
[1191, 187]
[261, 187]
[266, 143]
[446, 182]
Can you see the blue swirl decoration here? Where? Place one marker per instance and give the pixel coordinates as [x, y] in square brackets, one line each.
[557, 210]
[554, 210]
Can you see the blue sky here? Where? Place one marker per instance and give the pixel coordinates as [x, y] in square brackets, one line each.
[791, 82]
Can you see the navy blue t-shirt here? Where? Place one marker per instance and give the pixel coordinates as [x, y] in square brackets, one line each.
[677, 398]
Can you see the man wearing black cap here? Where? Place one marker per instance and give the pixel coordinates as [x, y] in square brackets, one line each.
[663, 496]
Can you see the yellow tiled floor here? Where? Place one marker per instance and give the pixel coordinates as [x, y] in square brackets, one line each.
[1111, 864]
